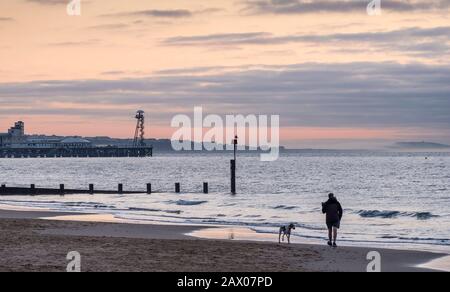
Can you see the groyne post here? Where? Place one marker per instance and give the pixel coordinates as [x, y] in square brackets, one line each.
[120, 188]
[177, 188]
[149, 189]
[91, 189]
[233, 167]
[205, 188]
[233, 177]
[61, 189]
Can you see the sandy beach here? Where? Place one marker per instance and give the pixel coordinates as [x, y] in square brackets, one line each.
[28, 243]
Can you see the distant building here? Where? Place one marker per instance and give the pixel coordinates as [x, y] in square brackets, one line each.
[47, 143]
[15, 135]
[75, 142]
[16, 138]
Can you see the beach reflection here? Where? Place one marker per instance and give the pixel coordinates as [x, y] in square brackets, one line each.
[108, 218]
[440, 264]
[238, 233]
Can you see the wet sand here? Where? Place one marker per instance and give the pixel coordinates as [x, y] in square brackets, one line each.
[28, 243]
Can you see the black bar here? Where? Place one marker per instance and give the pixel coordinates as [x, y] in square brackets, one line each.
[205, 188]
[149, 189]
[177, 188]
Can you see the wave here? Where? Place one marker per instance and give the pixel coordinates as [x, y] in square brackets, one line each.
[294, 234]
[395, 214]
[88, 205]
[228, 205]
[442, 241]
[187, 203]
[376, 213]
[95, 205]
[424, 215]
[174, 212]
[155, 210]
[144, 209]
[283, 207]
[259, 223]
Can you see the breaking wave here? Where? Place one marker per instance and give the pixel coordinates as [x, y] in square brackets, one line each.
[395, 214]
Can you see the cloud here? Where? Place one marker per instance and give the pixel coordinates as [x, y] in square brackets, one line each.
[178, 13]
[117, 72]
[109, 26]
[89, 42]
[339, 6]
[259, 38]
[305, 95]
[164, 14]
[49, 2]
[221, 39]
[418, 40]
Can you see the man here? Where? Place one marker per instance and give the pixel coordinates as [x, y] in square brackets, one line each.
[334, 212]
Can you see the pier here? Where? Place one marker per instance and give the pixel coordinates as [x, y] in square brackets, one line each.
[144, 151]
[16, 144]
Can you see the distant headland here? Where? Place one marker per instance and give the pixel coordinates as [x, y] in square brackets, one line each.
[421, 146]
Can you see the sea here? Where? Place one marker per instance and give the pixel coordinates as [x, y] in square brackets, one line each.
[390, 199]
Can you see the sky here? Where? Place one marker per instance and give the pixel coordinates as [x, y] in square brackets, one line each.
[337, 77]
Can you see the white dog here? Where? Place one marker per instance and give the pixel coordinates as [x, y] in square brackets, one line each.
[285, 231]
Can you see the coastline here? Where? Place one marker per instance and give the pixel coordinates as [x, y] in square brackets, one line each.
[107, 244]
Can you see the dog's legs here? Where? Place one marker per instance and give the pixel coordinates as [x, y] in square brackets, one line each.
[289, 238]
[279, 237]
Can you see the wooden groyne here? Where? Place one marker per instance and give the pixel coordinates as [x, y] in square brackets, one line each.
[91, 190]
[76, 152]
[33, 191]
